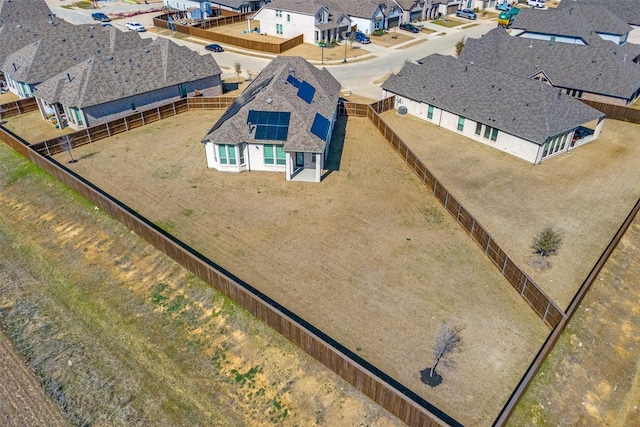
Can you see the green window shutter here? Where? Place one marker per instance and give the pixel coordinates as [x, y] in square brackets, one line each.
[232, 154]
[280, 155]
[268, 155]
[223, 154]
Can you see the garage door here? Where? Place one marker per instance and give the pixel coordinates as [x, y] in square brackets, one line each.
[393, 22]
[416, 16]
[451, 9]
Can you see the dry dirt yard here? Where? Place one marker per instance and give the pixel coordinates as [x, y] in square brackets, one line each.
[122, 335]
[586, 194]
[592, 376]
[368, 256]
[22, 400]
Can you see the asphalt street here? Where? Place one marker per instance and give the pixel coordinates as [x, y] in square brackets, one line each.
[357, 77]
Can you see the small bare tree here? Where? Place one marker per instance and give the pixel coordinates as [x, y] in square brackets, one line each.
[460, 45]
[546, 242]
[238, 68]
[448, 343]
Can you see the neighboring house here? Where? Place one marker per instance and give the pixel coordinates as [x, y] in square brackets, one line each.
[22, 11]
[579, 24]
[325, 20]
[627, 10]
[17, 35]
[523, 117]
[585, 72]
[290, 18]
[55, 51]
[211, 8]
[108, 86]
[282, 122]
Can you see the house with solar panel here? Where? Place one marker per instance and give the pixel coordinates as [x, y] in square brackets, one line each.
[282, 122]
[523, 117]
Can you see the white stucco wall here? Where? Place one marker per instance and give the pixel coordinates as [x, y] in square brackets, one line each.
[558, 39]
[505, 142]
[296, 24]
[364, 25]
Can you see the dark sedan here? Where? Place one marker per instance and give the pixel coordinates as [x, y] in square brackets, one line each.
[409, 27]
[214, 47]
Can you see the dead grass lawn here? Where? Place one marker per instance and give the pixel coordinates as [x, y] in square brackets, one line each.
[586, 194]
[368, 255]
[33, 128]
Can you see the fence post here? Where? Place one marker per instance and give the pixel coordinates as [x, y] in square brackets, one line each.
[506, 258]
[544, 318]
[173, 104]
[458, 217]
[486, 250]
[446, 200]
[435, 184]
[473, 226]
[89, 135]
[142, 117]
[46, 145]
[126, 124]
[108, 129]
[524, 286]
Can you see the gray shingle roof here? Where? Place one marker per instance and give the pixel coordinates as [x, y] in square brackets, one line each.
[21, 11]
[627, 10]
[523, 107]
[585, 68]
[581, 21]
[104, 78]
[270, 91]
[15, 36]
[50, 55]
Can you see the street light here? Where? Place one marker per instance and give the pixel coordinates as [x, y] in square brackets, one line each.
[346, 41]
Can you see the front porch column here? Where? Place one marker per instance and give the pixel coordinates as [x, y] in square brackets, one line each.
[288, 166]
[596, 133]
[319, 166]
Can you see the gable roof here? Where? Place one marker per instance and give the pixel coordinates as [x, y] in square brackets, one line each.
[527, 108]
[17, 11]
[57, 51]
[585, 68]
[627, 10]
[104, 78]
[276, 89]
[581, 21]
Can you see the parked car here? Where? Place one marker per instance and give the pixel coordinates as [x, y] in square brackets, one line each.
[409, 27]
[503, 7]
[361, 37]
[213, 47]
[537, 3]
[99, 16]
[136, 26]
[467, 13]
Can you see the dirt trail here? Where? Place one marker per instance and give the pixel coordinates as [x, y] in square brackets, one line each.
[22, 401]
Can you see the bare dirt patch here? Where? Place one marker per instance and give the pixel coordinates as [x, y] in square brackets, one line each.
[592, 376]
[585, 194]
[5, 98]
[368, 255]
[22, 401]
[121, 335]
[392, 38]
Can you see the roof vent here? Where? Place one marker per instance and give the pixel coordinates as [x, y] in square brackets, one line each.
[109, 57]
[269, 100]
[19, 26]
[402, 110]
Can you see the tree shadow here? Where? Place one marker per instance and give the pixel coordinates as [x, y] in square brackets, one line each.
[337, 145]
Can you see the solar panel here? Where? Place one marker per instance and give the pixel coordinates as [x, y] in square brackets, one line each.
[293, 81]
[270, 125]
[320, 126]
[306, 92]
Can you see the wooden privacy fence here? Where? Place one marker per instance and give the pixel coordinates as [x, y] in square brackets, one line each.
[616, 112]
[544, 306]
[114, 127]
[553, 337]
[18, 107]
[202, 31]
[380, 387]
